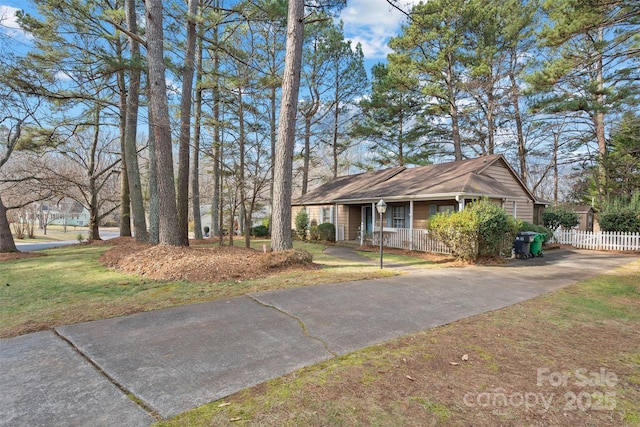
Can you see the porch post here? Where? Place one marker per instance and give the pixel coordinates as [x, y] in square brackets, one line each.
[363, 220]
[411, 225]
[335, 219]
[374, 217]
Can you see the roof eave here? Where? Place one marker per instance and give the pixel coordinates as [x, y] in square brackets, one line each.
[426, 197]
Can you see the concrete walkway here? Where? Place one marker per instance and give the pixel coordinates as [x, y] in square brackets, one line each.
[175, 359]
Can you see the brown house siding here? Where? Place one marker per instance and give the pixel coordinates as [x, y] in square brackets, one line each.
[524, 208]
[313, 211]
[420, 215]
[355, 217]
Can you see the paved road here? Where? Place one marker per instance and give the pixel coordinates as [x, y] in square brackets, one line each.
[29, 247]
[174, 359]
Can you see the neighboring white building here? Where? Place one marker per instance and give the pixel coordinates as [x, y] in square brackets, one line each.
[65, 212]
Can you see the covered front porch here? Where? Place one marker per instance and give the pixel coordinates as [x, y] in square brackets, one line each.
[403, 224]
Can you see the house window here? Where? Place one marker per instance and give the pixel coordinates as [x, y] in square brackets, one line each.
[326, 215]
[446, 208]
[434, 209]
[398, 216]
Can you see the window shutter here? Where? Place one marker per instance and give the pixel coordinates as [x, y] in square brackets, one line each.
[433, 209]
[407, 218]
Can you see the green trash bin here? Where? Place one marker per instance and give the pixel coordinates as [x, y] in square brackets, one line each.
[536, 245]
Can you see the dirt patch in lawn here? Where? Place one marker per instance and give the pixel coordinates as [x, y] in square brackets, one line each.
[198, 264]
[11, 256]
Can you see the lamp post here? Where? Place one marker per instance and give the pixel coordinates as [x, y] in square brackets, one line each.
[381, 207]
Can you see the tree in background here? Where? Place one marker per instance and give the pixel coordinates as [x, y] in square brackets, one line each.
[498, 39]
[393, 117]
[315, 78]
[188, 70]
[621, 166]
[84, 168]
[557, 217]
[623, 160]
[433, 43]
[348, 82]
[593, 68]
[622, 214]
[130, 149]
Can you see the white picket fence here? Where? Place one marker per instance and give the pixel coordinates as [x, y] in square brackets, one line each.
[600, 241]
[404, 238]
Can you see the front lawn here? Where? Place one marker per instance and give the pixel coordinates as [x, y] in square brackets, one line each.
[70, 285]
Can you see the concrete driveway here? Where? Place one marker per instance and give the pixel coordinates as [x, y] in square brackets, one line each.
[175, 359]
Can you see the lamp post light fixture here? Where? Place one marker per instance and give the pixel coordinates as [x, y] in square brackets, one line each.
[381, 207]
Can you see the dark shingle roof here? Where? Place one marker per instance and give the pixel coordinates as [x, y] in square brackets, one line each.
[459, 177]
[345, 186]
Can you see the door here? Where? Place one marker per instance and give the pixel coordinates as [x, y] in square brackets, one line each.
[368, 220]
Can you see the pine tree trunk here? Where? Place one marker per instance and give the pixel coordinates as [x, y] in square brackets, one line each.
[94, 204]
[307, 154]
[169, 234]
[216, 217]
[599, 125]
[185, 125]
[195, 166]
[154, 209]
[125, 202]
[131, 131]
[281, 230]
[453, 111]
[273, 137]
[515, 100]
[242, 154]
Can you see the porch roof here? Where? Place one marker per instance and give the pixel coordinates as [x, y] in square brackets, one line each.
[446, 180]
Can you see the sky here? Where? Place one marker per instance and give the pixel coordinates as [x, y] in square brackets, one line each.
[368, 22]
[372, 23]
[7, 15]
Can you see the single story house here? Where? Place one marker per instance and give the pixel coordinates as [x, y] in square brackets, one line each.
[413, 195]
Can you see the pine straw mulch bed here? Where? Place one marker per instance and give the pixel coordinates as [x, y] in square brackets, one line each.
[200, 264]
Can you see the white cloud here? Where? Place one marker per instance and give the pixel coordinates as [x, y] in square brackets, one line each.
[8, 17]
[372, 23]
[9, 22]
[62, 76]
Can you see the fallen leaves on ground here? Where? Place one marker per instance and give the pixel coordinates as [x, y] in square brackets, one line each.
[200, 264]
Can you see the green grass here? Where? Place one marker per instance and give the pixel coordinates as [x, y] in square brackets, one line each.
[55, 233]
[603, 297]
[70, 285]
[399, 259]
